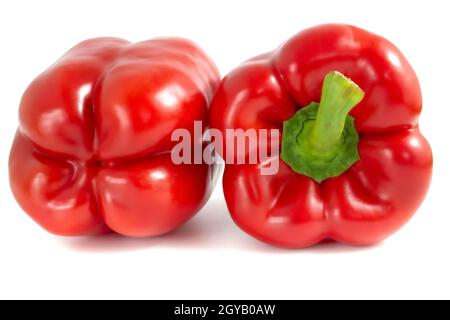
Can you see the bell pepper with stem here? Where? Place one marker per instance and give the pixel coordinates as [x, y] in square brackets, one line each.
[353, 165]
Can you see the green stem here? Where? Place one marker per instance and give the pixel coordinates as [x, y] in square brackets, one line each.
[320, 141]
[339, 96]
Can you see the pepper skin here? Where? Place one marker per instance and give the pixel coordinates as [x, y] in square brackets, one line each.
[92, 153]
[373, 198]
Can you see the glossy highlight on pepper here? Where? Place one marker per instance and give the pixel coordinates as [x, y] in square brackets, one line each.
[92, 153]
[372, 198]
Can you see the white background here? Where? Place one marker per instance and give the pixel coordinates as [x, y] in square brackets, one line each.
[210, 257]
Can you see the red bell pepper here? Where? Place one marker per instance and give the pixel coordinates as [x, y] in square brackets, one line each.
[92, 153]
[354, 167]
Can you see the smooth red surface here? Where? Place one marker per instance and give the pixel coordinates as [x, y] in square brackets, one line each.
[92, 152]
[377, 195]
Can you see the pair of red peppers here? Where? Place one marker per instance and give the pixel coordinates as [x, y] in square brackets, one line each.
[93, 150]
